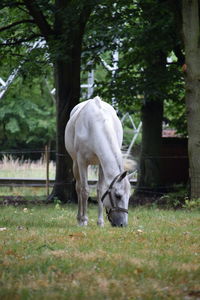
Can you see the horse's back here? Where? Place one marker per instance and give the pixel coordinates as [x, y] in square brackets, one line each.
[92, 123]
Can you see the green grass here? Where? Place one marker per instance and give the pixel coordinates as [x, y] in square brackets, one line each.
[22, 191]
[45, 255]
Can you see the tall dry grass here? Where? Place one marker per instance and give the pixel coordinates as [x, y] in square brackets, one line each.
[11, 167]
[19, 168]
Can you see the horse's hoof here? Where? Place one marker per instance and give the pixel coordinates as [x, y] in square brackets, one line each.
[83, 223]
[100, 223]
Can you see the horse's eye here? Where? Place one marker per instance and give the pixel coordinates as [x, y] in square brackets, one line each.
[118, 196]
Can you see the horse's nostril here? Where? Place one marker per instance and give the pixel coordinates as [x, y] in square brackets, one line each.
[117, 225]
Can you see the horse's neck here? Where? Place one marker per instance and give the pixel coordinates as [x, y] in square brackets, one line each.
[107, 149]
[112, 166]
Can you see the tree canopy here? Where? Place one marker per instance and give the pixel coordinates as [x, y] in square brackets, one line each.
[134, 29]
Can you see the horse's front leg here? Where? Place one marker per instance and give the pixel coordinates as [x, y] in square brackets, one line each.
[100, 221]
[84, 193]
[78, 190]
[82, 204]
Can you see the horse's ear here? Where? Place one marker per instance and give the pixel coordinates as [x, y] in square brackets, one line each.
[131, 175]
[122, 175]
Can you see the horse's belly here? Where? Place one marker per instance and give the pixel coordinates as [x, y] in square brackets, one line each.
[91, 158]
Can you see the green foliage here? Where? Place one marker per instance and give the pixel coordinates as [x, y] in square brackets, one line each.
[137, 31]
[16, 40]
[27, 115]
[178, 199]
[57, 203]
[128, 131]
[175, 113]
[175, 199]
[192, 204]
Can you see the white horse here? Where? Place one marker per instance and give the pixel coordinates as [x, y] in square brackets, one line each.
[93, 136]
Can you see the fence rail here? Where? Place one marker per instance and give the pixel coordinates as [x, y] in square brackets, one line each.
[36, 182]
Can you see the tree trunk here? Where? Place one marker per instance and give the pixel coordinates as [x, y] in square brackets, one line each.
[67, 84]
[191, 30]
[149, 173]
[68, 35]
[152, 117]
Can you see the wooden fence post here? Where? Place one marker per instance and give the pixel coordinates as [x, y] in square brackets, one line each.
[47, 152]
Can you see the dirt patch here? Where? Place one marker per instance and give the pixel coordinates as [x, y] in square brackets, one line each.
[20, 200]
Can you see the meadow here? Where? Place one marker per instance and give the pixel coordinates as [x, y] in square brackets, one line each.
[45, 255]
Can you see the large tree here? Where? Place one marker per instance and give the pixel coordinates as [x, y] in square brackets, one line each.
[191, 31]
[65, 43]
[144, 79]
[159, 81]
[61, 24]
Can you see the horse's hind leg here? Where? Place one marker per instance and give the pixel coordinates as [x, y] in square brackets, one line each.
[100, 221]
[83, 193]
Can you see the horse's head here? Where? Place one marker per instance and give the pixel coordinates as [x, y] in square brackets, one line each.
[116, 199]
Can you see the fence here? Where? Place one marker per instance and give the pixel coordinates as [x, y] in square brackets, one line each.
[46, 182]
[17, 157]
[174, 167]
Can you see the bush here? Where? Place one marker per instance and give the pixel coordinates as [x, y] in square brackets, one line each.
[175, 199]
[192, 204]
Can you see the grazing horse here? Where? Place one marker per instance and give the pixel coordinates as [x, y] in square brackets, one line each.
[93, 136]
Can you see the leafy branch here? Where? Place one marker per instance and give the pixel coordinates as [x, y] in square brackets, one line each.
[13, 42]
[15, 24]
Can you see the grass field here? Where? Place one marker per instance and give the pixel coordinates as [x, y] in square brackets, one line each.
[45, 255]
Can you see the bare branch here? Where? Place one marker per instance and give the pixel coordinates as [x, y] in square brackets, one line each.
[15, 24]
